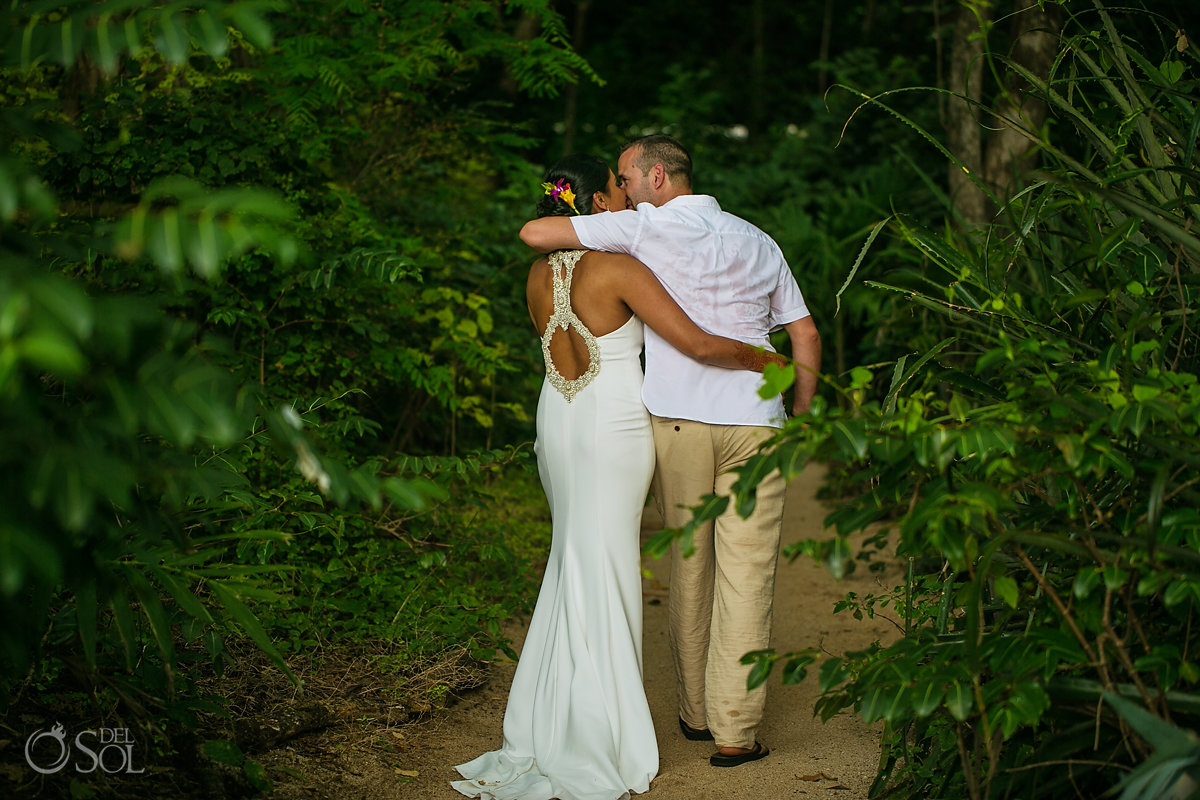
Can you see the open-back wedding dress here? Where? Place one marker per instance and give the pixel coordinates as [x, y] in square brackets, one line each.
[577, 726]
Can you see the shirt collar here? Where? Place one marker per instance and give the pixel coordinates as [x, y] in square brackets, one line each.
[690, 201]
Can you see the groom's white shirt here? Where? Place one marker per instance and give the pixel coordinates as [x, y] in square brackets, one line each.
[730, 278]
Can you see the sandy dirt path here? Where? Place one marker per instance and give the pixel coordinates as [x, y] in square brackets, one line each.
[808, 759]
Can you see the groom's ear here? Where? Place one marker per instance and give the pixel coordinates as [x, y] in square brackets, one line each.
[658, 176]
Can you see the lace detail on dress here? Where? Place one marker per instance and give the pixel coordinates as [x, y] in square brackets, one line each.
[564, 318]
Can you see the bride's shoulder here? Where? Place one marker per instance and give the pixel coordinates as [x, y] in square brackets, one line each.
[597, 259]
[597, 268]
[539, 273]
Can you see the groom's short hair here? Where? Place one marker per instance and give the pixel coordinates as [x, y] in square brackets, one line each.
[658, 148]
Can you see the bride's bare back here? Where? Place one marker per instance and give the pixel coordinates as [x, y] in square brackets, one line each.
[606, 290]
[591, 298]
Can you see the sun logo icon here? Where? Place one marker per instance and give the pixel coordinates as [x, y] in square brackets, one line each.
[59, 734]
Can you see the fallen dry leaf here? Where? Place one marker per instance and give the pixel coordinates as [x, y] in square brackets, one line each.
[820, 776]
[408, 773]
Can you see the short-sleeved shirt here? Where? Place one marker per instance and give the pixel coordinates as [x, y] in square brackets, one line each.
[729, 277]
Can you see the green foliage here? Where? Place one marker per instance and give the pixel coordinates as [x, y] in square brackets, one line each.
[249, 343]
[1176, 759]
[1034, 456]
[105, 32]
[449, 574]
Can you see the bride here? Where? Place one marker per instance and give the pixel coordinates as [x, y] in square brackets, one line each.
[578, 726]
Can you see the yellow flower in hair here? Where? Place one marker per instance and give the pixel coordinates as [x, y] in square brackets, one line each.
[568, 197]
[560, 189]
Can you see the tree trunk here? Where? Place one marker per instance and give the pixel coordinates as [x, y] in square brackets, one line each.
[964, 134]
[823, 51]
[527, 28]
[758, 69]
[570, 113]
[1020, 114]
[938, 36]
[82, 80]
[869, 17]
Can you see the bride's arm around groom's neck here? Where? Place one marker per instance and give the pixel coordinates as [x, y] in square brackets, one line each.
[548, 234]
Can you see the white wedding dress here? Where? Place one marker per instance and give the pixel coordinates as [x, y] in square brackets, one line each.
[577, 726]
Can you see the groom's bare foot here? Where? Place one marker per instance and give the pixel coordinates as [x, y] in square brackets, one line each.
[733, 756]
[734, 751]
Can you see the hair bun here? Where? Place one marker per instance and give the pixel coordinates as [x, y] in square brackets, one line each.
[568, 186]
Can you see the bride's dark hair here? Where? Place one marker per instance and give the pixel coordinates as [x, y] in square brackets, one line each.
[586, 174]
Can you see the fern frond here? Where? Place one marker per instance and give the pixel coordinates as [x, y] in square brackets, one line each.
[385, 266]
[328, 72]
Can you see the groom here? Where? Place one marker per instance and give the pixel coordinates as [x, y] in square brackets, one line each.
[732, 280]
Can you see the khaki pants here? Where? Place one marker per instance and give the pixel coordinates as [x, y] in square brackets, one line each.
[720, 604]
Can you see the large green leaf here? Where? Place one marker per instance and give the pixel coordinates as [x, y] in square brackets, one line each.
[156, 616]
[960, 700]
[244, 618]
